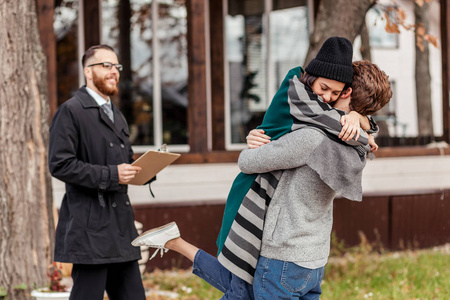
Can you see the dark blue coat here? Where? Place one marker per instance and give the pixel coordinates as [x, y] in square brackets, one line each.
[96, 220]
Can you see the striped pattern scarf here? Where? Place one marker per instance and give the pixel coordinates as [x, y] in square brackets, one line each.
[242, 246]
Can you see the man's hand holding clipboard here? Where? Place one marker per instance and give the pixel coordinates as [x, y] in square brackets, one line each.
[152, 162]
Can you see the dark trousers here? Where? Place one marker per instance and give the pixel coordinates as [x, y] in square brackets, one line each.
[122, 281]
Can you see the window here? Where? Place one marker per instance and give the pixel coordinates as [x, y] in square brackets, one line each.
[264, 40]
[150, 37]
[379, 38]
[409, 119]
[387, 120]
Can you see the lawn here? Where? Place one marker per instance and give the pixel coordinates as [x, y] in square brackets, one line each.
[421, 274]
[360, 273]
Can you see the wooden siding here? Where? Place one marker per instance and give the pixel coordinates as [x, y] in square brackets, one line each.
[199, 224]
[370, 217]
[420, 220]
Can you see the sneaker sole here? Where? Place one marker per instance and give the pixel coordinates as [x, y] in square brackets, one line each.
[152, 232]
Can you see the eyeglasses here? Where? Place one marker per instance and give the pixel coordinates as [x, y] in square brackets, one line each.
[109, 66]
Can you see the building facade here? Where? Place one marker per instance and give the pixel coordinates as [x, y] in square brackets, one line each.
[200, 74]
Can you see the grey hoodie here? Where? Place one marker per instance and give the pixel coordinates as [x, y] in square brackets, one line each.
[300, 216]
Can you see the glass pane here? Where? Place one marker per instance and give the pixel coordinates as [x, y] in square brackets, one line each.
[68, 64]
[172, 29]
[289, 41]
[246, 58]
[377, 33]
[127, 27]
[408, 119]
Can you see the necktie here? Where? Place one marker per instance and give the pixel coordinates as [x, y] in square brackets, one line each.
[108, 110]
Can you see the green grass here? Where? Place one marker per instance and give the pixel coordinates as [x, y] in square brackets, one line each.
[181, 282]
[403, 275]
[356, 273]
[369, 272]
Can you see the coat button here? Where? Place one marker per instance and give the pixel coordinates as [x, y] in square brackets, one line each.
[127, 203]
[114, 204]
[111, 144]
[122, 146]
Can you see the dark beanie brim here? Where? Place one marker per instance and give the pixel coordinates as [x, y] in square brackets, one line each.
[332, 71]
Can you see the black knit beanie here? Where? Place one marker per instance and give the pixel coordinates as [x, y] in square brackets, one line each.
[333, 61]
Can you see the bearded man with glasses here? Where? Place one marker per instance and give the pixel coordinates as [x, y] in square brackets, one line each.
[90, 151]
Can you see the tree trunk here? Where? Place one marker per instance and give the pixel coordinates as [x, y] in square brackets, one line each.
[26, 210]
[337, 18]
[423, 78]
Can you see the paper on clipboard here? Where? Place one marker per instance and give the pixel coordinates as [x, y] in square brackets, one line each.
[151, 163]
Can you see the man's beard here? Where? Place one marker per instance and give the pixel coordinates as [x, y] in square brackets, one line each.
[101, 84]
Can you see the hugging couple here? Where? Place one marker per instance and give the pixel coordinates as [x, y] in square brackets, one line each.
[311, 146]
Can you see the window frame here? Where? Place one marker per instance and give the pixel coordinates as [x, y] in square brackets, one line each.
[157, 116]
[269, 65]
[201, 153]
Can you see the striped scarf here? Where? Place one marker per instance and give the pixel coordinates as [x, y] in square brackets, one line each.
[241, 248]
[277, 122]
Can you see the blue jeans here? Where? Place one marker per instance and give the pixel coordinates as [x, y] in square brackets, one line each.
[277, 279]
[211, 270]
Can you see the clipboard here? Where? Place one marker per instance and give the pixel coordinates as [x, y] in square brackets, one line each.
[152, 162]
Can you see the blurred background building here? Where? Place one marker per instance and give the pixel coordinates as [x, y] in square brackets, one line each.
[199, 75]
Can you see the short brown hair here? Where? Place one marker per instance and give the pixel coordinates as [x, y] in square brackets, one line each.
[371, 88]
[91, 51]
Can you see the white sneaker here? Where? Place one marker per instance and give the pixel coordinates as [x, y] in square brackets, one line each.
[157, 238]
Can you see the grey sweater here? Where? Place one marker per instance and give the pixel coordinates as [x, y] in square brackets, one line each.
[300, 216]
